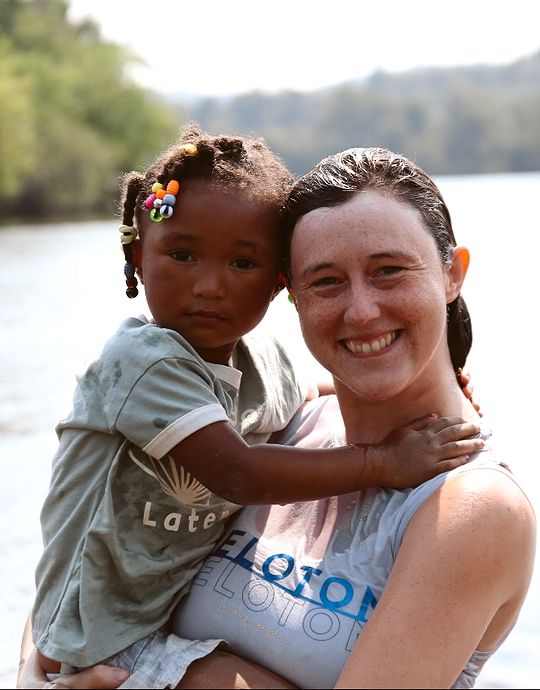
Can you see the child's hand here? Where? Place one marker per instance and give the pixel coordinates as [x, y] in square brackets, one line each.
[425, 448]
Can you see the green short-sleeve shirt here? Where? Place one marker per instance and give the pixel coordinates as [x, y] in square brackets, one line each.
[125, 529]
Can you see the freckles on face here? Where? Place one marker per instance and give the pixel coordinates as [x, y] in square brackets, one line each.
[370, 288]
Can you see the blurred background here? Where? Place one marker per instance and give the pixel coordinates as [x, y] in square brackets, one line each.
[90, 89]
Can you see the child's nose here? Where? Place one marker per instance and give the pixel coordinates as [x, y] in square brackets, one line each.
[209, 284]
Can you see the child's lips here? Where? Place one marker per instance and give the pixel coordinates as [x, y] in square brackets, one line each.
[206, 317]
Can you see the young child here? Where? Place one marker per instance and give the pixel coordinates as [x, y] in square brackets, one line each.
[169, 429]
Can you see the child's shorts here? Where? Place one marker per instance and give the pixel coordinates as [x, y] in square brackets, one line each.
[159, 660]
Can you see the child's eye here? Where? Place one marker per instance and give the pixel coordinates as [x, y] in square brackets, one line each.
[182, 256]
[244, 264]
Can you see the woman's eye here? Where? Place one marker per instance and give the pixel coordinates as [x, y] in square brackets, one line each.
[325, 282]
[244, 264]
[388, 270]
[182, 256]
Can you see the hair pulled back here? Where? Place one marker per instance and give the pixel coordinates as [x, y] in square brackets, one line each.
[241, 164]
[337, 178]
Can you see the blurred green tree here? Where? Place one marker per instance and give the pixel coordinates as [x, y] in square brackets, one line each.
[71, 119]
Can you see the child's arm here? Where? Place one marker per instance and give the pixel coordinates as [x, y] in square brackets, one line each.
[267, 473]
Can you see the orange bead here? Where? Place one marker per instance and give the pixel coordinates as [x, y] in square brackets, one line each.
[160, 193]
[173, 187]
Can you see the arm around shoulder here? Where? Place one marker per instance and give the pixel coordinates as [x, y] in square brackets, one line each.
[457, 585]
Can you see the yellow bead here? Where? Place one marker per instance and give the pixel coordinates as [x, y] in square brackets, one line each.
[127, 234]
[156, 187]
[190, 149]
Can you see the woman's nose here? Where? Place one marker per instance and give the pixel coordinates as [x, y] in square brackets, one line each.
[362, 305]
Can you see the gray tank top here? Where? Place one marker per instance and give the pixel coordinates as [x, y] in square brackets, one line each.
[292, 587]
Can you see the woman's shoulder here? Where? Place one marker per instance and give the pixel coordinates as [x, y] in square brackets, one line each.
[480, 510]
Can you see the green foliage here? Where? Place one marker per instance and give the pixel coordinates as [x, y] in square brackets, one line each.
[460, 120]
[71, 121]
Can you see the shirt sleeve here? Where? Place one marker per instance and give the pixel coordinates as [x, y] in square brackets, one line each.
[170, 401]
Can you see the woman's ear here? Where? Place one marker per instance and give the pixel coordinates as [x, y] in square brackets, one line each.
[137, 258]
[455, 275]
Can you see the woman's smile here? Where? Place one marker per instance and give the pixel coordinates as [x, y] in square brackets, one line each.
[373, 346]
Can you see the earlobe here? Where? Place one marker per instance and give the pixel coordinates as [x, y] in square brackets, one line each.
[456, 273]
[281, 282]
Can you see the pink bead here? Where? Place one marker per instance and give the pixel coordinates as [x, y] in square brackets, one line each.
[149, 203]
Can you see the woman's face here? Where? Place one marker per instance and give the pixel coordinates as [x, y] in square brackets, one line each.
[371, 293]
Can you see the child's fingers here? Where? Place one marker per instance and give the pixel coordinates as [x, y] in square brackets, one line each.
[452, 463]
[455, 449]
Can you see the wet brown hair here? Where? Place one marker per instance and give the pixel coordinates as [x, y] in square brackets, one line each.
[337, 178]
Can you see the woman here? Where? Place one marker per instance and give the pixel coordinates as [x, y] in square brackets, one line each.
[383, 588]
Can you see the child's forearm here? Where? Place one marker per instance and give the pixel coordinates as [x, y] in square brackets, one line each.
[266, 473]
[221, 460]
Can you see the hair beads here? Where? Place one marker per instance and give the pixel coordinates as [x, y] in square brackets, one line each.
[243, 163]
[162, 201]
[127, 235]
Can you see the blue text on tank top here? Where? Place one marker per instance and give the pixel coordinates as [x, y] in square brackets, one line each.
[335, 594]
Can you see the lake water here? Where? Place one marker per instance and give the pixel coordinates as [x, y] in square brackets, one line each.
[62, 294]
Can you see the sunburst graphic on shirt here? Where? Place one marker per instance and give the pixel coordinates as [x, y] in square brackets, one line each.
[174, 480]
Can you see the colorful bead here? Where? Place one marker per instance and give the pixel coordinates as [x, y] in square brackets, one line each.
[132, 292]
[154, 215]
[149, 203]
[162, 201]
[173, 187]
[131, 282]
[129, 270]
[127, 234]
[190, 149]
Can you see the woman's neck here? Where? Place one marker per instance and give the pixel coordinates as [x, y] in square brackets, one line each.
[369, 421]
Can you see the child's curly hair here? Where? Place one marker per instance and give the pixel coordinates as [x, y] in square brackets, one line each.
[243, 164]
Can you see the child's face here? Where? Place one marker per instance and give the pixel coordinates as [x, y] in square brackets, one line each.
[210, 271]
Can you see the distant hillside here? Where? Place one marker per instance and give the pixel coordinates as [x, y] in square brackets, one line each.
[460, 120]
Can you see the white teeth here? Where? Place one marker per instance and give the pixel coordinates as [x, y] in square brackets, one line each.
[373, 346]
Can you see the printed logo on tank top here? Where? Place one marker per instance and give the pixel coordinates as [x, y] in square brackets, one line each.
[327, 605]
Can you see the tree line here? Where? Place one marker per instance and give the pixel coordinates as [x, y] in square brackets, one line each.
[478, 119]
[72, 121]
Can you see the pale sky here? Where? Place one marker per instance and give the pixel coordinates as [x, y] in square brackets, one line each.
[219, 47]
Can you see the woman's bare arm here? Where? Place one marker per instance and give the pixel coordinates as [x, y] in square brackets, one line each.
[457, 585]
[223, 670]
[31, 675]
